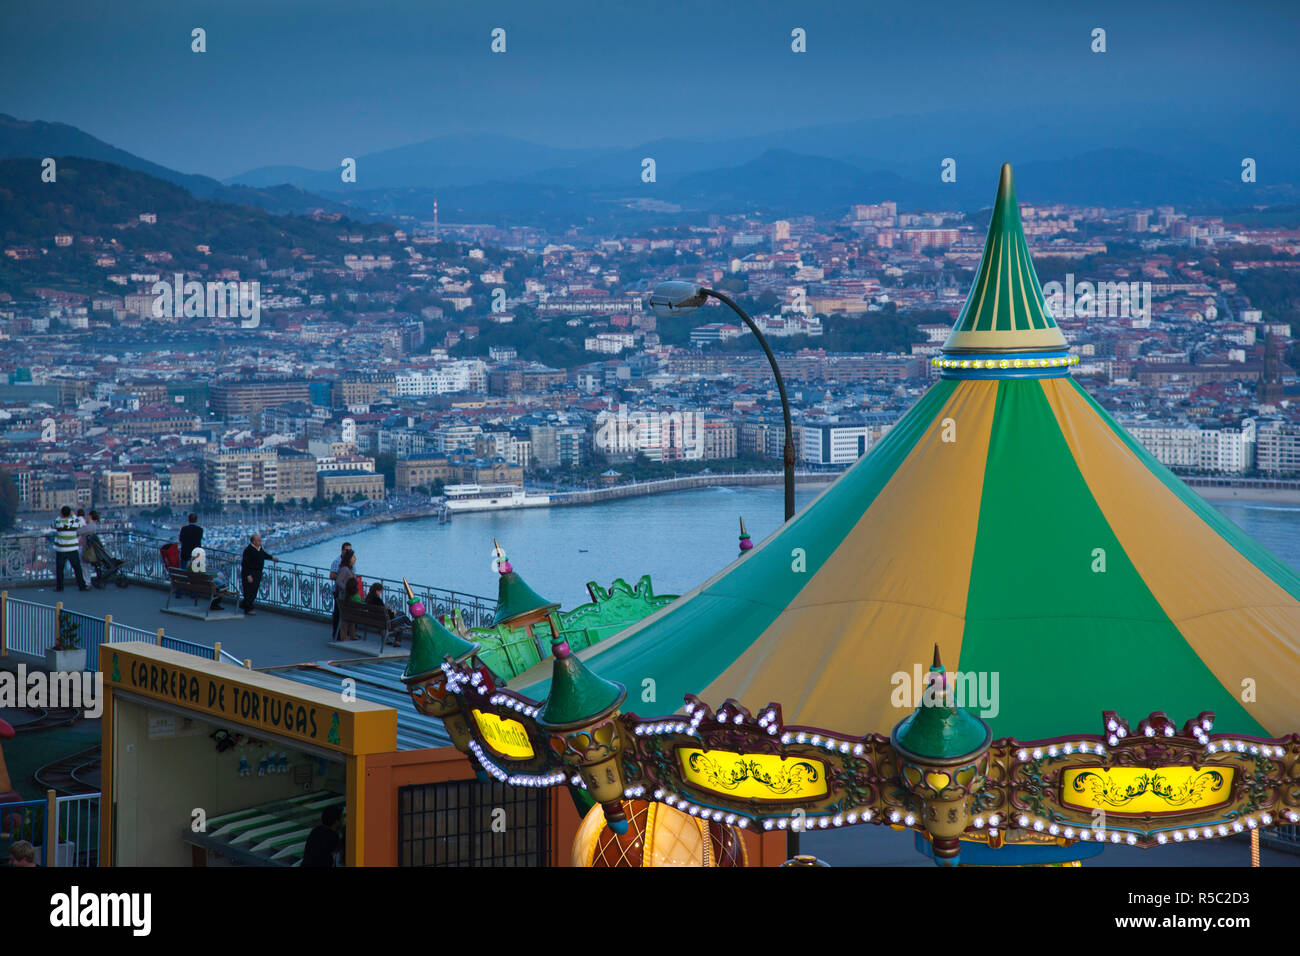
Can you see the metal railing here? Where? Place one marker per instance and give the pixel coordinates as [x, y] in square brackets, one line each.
[26, 558]
[78, 830]
[288, 586]
[69, 824]
[1285, 837]
[32, 628]
[229, 658]
[189, 647]
[23, 820]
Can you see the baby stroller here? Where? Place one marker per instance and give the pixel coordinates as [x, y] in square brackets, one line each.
[107, 567]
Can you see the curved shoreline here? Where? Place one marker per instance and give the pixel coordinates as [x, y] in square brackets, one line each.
[1241, 492]
[638, 489]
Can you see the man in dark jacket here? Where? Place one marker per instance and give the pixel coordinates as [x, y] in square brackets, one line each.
[250, 571]
[191, 538]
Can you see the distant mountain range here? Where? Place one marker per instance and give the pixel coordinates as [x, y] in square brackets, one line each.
[106, 200]
[20, 139]
[1147, 157]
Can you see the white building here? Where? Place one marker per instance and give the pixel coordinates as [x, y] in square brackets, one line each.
[1187, 447]
[463, 376]
[659, 435]
[835, 443]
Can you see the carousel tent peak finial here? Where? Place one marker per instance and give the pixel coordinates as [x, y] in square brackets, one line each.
[938, 664]
[1005, 330]
[745, 542]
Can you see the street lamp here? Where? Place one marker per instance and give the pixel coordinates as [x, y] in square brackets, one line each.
[677, 297]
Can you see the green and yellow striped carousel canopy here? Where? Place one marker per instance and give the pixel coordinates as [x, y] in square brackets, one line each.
[1010, 520]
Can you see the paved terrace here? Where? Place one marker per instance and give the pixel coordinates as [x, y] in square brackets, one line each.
[268, 638]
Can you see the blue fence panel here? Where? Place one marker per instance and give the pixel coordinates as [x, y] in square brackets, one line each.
[24, 820]
[90, 634]
[189, 647]
[31, 627]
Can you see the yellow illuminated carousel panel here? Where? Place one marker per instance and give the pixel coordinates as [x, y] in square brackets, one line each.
[1142, 790]
[752, 776]
[507, 737]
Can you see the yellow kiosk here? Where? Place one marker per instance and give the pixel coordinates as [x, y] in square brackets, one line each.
[202, 756]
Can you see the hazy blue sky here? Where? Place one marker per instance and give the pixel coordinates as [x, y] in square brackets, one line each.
[303, 82]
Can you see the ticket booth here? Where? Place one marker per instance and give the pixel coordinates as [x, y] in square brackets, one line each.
[206, 763]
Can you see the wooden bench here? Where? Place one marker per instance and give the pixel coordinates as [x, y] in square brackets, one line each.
[368, 617]
[196, 585]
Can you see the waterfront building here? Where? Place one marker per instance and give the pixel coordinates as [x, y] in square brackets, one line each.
[350, 483]
[1278, 448]
[295, 475]
[421, 471]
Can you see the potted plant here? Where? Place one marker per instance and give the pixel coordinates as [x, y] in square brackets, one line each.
[67, 654]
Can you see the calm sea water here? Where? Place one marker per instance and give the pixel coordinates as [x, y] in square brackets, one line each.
[679, 539]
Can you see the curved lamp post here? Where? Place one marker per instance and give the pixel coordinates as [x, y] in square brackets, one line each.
[677, 297]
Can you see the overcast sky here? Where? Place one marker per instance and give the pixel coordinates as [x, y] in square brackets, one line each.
[302, 82]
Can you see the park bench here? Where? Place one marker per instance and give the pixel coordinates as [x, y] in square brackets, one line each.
[368, 617]
[197, 585]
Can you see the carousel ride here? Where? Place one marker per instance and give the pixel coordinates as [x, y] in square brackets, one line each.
[1006, 525]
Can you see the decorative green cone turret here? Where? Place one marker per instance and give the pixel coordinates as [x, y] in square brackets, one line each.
[431, 643]
[939, 729]
[577, 695]
[580, 713]
[517, 603]
[1005, 329]
[943, 754]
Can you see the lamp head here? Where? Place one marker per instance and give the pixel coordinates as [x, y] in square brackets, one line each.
[676, 297]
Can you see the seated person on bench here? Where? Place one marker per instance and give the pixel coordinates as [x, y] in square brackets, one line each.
[199, 565]
[396, 622]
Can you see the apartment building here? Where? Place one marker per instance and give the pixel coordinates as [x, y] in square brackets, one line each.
[1189, 448]
[241, 474]
[295, 475]
[1277, 454]
[247, 399]
[523, 379]
[720, 439]
[181, 486]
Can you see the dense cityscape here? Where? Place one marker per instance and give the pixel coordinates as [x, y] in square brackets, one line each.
[399, 360]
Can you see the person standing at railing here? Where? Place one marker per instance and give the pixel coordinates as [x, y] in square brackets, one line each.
[191, 537]
[334, 576]
[345, 586]
[67, 549]
[250, 571]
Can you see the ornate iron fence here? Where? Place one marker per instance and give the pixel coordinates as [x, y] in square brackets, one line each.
[26, 557]
[289, 586]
